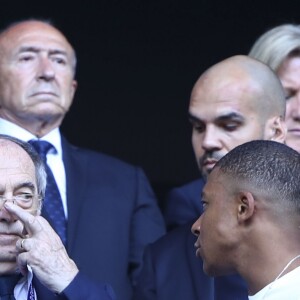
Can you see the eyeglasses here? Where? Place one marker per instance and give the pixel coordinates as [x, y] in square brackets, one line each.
[23, 200]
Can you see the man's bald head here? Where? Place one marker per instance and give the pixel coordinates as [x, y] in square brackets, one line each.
[233, 102]
[243, 72]
[37, 69]
[10, 34]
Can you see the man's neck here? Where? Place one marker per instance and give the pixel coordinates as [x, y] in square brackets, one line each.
[270, 270]
[39, 127]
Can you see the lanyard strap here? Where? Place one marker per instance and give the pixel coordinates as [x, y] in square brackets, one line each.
[31, 293]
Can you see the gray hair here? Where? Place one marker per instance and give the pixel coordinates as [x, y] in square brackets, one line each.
[275, 45]
[40, 172]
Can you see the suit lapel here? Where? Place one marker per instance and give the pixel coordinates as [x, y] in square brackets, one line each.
[75, 186]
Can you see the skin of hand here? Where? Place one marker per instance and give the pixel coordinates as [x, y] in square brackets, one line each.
[43, 251]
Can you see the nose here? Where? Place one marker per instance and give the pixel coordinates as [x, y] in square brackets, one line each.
[5, 216]
[211, 140]
[46, 70]
[196, 227]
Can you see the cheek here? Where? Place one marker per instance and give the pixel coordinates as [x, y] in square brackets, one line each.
[11, 89]
[289, 109]
[247, 134]
[68, 92]
[197, 144]
[214, 227]
[208, 228]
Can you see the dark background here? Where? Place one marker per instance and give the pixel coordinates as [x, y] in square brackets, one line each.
[137, 63]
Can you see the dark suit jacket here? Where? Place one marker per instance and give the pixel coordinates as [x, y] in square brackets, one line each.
[171, 271]
[112, 215]
[184, 204]
[80, 288]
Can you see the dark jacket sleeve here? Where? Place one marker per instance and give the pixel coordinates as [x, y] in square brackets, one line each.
[146, 287]
[83, 288]
[147, 223]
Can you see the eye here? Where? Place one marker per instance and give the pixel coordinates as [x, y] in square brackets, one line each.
[24, 200]
[289, 95]
[204, 204]
[26, 58]
[59, 60]
[25, 197]
[231, 126]
[198, 127]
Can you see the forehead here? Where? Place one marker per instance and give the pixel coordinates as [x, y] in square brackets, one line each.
[212, 97]
[216, 184]
[34, 34]
[290, 66]
[15, 163]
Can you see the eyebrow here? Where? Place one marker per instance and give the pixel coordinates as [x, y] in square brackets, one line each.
[26, 184]
[221, 118]
[192, 118]
[231, 116]
[36, 50]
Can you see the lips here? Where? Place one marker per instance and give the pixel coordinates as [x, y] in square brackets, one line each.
[294, 131]
[198, 248]
[209, 163]
[8, 239]
[41, 93]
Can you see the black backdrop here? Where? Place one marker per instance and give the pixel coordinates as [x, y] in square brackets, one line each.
[138, 61]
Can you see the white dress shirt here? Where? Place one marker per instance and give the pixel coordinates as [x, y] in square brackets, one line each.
[285, 287]
[24, 286]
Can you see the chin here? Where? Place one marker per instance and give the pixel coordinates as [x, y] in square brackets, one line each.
[294, 144]
[8, 263]
[8, 268]
[213, 270]
[204, 172]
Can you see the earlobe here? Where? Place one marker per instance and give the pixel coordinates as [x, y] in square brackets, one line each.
[245, 206]
[278, 130]
[74, 87]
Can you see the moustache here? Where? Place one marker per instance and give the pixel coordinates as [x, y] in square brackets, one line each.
[15, 228]
[215, 156]
[44, 87]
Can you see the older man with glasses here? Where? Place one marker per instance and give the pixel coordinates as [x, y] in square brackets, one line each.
[29, 247]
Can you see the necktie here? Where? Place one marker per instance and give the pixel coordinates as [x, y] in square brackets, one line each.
[7, 285]
[52, 206]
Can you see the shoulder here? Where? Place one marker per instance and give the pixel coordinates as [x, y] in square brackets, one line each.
[173, 239]
[94, 158]
[192, 188]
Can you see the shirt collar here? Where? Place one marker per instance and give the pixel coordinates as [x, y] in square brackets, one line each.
[9, 128]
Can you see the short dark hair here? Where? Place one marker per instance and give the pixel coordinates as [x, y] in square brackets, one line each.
[270, 167]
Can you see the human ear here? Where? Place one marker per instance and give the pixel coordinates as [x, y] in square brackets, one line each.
[245, 206]
[276, 129]
[74, 87]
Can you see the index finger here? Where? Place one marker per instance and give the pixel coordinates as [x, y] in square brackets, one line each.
[29, 221]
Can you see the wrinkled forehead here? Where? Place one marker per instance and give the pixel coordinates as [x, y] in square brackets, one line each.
[34, 34]
[15, 161]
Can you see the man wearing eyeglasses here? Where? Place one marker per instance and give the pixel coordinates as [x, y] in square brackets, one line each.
[103, 209]
[28, 245]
